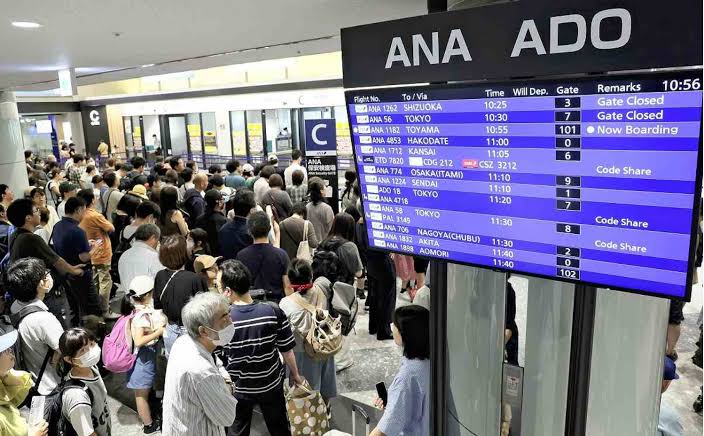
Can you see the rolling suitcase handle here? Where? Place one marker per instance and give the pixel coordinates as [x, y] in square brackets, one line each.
[356, 409]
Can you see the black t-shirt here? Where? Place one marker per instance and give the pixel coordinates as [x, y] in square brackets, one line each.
[26, 244]
[267, 264]
[182, 286]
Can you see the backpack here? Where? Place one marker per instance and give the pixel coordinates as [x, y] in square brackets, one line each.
[117, 252]
[324, 339]
[118, 355]
[345, 303]
[20, 363]
[59, 425]
[332, 245]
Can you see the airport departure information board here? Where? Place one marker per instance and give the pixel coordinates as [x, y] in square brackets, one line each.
[590, 180]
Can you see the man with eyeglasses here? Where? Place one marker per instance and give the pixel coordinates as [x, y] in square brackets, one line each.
[24, 243]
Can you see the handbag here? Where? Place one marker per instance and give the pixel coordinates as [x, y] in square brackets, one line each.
[304, 251]
[307, 411]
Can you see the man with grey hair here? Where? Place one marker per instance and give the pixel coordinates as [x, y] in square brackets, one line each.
[197, 397]
[142, 259]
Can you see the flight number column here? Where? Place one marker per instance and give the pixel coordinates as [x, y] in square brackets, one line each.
[568, 145]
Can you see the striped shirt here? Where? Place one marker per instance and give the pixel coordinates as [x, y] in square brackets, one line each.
[197, 401]
[252, 357]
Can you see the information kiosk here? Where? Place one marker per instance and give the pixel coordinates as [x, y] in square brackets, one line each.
[555, 140]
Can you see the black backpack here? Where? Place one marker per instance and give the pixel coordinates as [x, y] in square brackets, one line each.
[123, 245]
[59, 425]
[332, 245]
[20, 364]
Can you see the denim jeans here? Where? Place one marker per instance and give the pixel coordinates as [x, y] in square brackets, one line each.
[172, 333]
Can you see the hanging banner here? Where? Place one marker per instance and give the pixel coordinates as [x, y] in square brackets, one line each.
[321, 157]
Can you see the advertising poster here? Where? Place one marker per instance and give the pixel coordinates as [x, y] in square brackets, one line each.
[211, 142]
[256, 139]
[239, 142]
[344, 140]
[194, 137]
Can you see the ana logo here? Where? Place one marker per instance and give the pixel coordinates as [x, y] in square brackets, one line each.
[94, 118]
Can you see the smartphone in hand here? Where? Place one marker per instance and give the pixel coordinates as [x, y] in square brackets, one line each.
[381, 392]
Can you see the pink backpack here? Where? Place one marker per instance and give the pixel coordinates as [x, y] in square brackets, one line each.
[117, 347]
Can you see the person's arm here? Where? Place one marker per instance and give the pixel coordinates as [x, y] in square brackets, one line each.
[141, 338]
[177, 218]
[216, 400]
[104, 224]
[290, 360]
[77, 405]
[312, 237]
[64, 267]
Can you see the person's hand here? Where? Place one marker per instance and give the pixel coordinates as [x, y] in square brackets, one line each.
[39, 429]
[507, 335]
[379, 404]
[78, 270]
[275, 226]
[298, 380]
[160, 330]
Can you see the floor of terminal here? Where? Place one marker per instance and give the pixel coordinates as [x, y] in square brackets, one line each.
[376, 361]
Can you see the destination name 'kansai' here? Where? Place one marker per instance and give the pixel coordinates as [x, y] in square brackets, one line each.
[432, 51]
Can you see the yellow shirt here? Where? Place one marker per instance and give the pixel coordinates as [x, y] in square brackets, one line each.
[103, 149]
[11, 422]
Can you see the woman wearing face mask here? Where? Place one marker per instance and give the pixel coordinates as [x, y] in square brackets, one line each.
[85, 406]
[147, 326]
[14, 386]
[407, 408]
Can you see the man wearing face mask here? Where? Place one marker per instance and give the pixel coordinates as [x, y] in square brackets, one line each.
[263, 333]
[29, 280]
[197, 397]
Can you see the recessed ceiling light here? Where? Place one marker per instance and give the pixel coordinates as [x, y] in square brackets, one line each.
[26, 24]
[148, 65]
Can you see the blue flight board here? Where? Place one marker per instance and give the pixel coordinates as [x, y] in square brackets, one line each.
[592, 180]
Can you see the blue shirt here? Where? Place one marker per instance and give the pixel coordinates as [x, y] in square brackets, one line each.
[233, 237]
[70, 240]
[234, 181]
[407, 410]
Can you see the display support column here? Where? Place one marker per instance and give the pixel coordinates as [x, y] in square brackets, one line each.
[438, 348]
[580, 359]
[12, 166]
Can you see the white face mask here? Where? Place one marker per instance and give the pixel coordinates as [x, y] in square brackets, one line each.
[224, 336]
[90, 358]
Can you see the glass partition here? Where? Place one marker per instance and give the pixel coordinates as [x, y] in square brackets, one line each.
[36, 134]
[255, 134]
[195, 139]
[129, 142]
[278, 129]
[137, 145]
[210, 140]
[238, 133]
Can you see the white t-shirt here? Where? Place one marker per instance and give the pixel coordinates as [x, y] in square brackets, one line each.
[38, 332]
[87, 417]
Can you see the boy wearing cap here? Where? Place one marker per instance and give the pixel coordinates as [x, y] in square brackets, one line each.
[669, 420]
[14, 387]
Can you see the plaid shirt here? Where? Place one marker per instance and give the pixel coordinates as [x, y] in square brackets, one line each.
[297, 193]
[75, 175]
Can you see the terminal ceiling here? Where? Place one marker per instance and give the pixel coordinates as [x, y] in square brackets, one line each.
[117, 39]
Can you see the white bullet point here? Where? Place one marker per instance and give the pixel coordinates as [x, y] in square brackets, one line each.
[590, 129]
